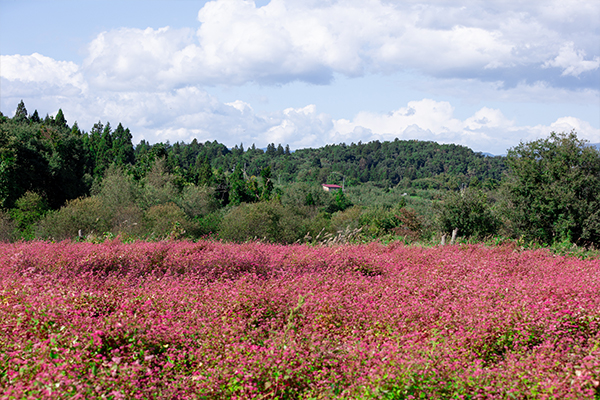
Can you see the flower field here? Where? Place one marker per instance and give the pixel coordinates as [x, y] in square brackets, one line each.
[179, 320]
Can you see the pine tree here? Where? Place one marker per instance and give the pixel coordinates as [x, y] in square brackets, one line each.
[21, 113]
[60, 120]
[122, 147]
[238, 192]
[35, 117]
[104, 156]
[75, 129]
[204, 172]
[267, 184]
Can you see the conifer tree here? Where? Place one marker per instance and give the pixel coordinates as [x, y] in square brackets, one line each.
[122, 147]
[35, 117]
[21, 113]
[104, 155]
[204, 172]
[60, 120]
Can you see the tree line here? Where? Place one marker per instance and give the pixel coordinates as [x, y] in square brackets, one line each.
[545, 191]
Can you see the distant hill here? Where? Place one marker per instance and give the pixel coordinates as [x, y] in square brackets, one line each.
[425, 164]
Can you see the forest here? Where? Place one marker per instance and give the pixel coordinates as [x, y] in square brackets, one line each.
[60, 182]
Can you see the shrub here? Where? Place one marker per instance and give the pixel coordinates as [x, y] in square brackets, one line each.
[266, 220]
[29, 209]
[86, 214]
[303, 194]
[349, 218]
[206, 225]
[159, 186]
[470, 213]
[410, 224]
[166, 220]
[7, 227]
[197, 201]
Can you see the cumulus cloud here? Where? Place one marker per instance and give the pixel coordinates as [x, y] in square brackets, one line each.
[153, 79]
[238, 42]
[486, 130]
[191, 113]
[573, 62]
[52, 77]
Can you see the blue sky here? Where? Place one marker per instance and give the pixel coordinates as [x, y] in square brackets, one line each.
[485, 74]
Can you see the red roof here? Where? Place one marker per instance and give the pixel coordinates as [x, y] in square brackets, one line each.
[332, 186]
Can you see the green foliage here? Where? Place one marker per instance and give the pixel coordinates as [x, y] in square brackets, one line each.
[87, 216]
[341, 201]
[470, 213]
[304, 194]
[166, 221]
[267, 184]
[206, 225]
[122, 147]
[21, 113]
[29, 209]
[60, 120]
[159, 186]
[198, 201]
[120, 195]
[7, 227]
[266, 220]
[40, 159]
[553, 190]
[550, 195]
[203, 174]
[349, 218]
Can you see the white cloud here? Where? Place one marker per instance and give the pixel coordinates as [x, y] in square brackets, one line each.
[188, 113]
[573, 62]
[57, 77]
[152, 80]
[486, 130]
[287, 40]
[566, 124]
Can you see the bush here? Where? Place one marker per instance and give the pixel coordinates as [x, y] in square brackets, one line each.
[197, 201]
[347, 219]
[159, 186]
[29, 209]
[7, 227]
[166, 221]
[303, 194]
[86, 214]
[410, 224]
[117, 189]
[206, 225]
[267, 220]
[470, 213]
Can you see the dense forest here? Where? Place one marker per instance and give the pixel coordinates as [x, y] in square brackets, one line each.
[58, 181]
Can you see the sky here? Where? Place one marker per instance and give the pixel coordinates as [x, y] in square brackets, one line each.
[484, 74]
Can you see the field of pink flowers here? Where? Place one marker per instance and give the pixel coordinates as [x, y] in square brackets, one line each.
[208, 320]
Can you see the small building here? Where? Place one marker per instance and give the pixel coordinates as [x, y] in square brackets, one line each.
[331, 188]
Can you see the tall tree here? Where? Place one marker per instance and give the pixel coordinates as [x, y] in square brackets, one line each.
[267, 184]
[553, 190]
[204, 172]
[122, 147]
[104, 156]
[60, 120]
[35, 117]
[21, 113]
